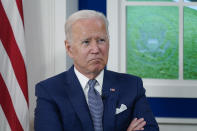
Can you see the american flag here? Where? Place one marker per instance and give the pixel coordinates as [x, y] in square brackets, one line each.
[14, 114]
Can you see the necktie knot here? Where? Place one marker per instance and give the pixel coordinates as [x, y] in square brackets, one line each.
[92, 83]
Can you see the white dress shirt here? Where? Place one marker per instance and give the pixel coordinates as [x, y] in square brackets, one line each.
[83, 80]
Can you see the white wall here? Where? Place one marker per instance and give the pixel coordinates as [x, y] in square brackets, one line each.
[44, 34]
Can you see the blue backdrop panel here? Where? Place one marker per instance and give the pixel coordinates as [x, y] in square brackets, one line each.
[98, 5]
[174, 107]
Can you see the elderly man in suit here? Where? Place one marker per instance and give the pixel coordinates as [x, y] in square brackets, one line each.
[88, 97]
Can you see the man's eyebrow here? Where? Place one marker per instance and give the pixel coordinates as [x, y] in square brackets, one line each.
[83, 39]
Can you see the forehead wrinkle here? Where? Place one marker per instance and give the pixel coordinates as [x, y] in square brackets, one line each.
[94, 36]
[86, 31]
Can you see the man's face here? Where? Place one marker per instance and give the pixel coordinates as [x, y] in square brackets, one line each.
[89, 46]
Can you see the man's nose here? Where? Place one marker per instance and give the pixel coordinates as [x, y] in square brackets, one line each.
[94, 47]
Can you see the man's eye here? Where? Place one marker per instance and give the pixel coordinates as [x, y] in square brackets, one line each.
[86, 42]
[101, 40]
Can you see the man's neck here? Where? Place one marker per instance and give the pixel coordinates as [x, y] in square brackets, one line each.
[82, 77]
[89, 75]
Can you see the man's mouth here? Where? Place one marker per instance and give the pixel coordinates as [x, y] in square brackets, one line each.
[95, 59]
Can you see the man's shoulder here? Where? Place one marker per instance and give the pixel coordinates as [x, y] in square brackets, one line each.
[53, 85]
[121, 75]
[54, 80]
[61, 77]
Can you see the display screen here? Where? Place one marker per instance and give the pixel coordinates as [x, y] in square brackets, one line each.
[152, 42]
[190, 42]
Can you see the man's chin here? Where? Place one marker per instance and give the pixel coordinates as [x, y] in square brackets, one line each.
[97, 69]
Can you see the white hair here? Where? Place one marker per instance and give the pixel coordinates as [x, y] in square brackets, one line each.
[83, 14]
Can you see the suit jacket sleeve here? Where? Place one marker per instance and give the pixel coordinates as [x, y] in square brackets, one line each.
[46, 112]
[143, 110]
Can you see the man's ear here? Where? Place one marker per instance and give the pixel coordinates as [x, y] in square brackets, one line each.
[68, 48]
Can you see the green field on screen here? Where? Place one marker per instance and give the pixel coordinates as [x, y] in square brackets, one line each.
[152, 41]
[190, 43]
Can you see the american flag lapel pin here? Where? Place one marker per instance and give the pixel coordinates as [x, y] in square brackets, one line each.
[112, 90]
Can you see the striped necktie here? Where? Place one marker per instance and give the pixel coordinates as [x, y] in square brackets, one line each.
[95, 105]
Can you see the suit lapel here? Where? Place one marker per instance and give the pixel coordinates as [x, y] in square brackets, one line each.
[110, 94]
[77, 98]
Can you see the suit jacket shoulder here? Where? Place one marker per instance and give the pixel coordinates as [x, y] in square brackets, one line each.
[125, 82]
[51, 86]
[61, 104]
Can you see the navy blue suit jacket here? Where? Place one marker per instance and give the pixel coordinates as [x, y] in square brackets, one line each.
[61, 103]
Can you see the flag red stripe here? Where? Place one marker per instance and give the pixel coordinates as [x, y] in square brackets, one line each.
[20, 8]
[8, 107]
[10, 45]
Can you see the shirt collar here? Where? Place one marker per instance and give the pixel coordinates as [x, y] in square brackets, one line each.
[84, 80]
